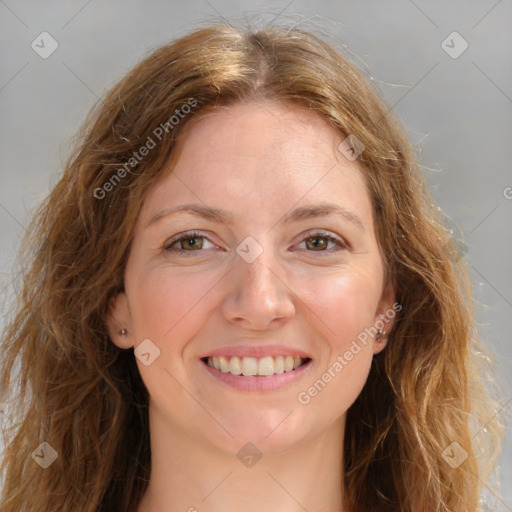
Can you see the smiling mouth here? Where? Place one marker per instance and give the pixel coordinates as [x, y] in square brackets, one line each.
[255, 367]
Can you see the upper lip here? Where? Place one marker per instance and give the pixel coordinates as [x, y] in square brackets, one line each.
[257, 351]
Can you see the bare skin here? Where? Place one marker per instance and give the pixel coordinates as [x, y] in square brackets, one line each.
[258, 162]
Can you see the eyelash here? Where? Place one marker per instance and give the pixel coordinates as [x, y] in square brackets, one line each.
[310, 234]
[330, 238]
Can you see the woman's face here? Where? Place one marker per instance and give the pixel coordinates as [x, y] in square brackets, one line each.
[257, 246]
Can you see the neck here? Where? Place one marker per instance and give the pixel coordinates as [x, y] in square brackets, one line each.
[190, 474]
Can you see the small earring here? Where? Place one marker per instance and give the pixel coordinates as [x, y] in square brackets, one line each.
[123, 332]
[381, 335]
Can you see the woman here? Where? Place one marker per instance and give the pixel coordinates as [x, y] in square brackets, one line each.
[242, 297]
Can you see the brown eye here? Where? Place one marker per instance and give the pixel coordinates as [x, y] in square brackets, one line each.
[187, 242]
[319, 242]
[195, 242]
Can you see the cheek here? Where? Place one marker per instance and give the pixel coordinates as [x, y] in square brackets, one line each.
[344, 309]
[344, 303]
[169, 305]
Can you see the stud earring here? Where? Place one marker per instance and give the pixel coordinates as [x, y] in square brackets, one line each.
[381, 336]
[123, 332]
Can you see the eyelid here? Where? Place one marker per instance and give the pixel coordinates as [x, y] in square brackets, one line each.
[339, 241]
[312, 233]
[184, 236]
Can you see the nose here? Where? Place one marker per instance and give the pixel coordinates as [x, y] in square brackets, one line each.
[258, 297]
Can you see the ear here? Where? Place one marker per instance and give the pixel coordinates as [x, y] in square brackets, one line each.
[118, 319]
[387, 310]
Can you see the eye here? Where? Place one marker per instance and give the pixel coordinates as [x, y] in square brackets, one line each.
[194, 241]
[191, 241]
[318, 241]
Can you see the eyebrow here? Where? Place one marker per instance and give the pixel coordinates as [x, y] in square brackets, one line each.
[205, 212]
[224, 217]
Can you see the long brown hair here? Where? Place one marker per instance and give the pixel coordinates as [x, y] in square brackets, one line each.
[69, 386]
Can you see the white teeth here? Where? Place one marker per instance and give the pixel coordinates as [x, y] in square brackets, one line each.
[266, 366]
[279, 364]
[288, 363]
[223, 362]
[250, 366]
[235, 366]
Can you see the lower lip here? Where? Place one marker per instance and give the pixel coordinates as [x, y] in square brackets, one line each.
[264, 383]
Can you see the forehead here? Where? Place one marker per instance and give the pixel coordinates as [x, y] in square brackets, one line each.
[266, 129]
[260, 155]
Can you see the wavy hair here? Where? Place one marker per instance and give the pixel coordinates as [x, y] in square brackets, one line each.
[67, 384]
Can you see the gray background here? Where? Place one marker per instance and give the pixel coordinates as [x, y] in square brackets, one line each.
[458, 112]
